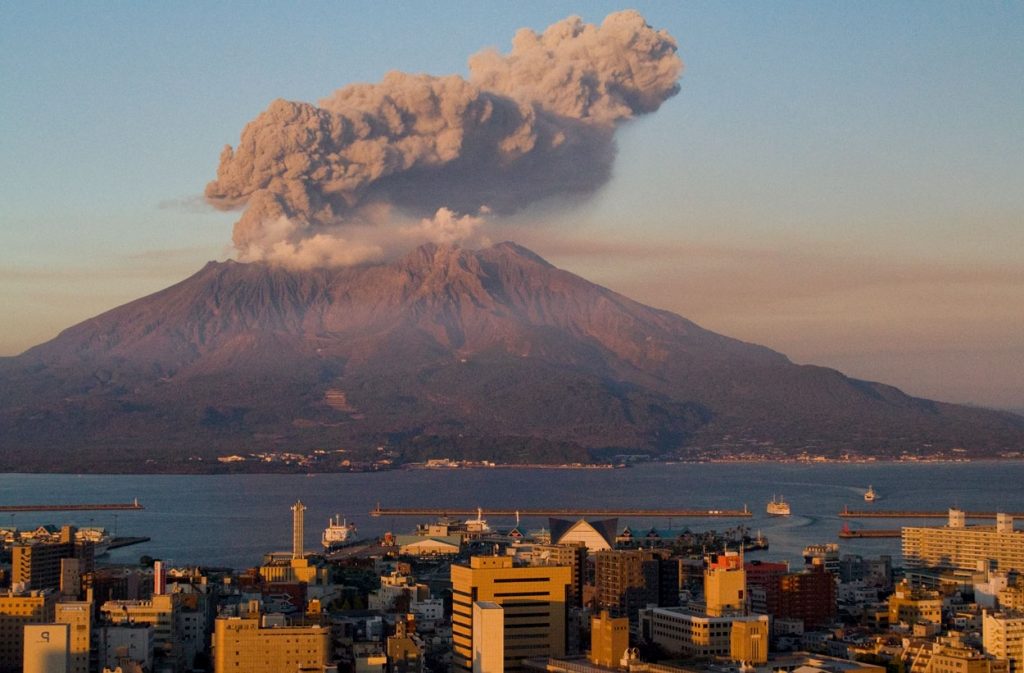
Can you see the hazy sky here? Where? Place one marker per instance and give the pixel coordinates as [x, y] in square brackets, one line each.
[842, 182]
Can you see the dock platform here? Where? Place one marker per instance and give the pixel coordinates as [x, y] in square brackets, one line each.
[81, 507]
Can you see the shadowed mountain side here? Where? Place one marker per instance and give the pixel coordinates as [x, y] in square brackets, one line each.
[490, 354]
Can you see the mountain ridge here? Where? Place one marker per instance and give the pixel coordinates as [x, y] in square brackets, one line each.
[493, 353]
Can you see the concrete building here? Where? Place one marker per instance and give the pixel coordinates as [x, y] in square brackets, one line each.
[679, 631]
[573, 555]
[178, 624]
[533, 599]
[246, 644]
[404, 651]
[748, 641]
[909, 605]
[78, 617]
[609, 639]
[46, 648]
[725, 585]
[810, 595]
[951, 655]
[957, 545]
[766, 576]
[38, 565]
[626, 580]
[124, 645]
[488, 637]
[1003, 638]
[17, 610]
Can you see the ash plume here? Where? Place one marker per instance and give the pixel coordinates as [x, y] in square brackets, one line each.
[376, 167]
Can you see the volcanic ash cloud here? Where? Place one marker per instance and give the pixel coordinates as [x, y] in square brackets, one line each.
[376, 167]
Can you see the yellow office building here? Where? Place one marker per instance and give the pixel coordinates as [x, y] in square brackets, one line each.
[17, 610]
[533, 599]
[242, 645]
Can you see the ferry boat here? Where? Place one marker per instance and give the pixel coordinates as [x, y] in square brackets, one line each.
[870, 495]
[778, 506]
[337, 532]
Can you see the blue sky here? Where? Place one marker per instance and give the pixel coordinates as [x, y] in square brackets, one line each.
[839, 181]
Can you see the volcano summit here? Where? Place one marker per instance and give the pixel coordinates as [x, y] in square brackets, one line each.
[488, 354]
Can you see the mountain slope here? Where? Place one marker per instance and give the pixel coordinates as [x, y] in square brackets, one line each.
[492, 353]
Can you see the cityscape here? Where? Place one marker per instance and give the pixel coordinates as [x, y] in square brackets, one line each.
[479, 337]
[579, 595]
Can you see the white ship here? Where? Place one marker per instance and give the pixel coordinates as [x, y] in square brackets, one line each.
[479, 524]
[778, 506]
[870, 495]
[337, 532]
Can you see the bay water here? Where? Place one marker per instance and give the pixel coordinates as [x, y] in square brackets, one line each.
[232, 520]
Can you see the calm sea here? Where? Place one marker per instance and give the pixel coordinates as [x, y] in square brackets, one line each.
[233, 520]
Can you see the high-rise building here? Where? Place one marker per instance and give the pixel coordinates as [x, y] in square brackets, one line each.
[626, 580]
[1003, 638]
[572, 555]
[725, 584]
[46, 648]
[810, 595]
[609, 639]
[38, 565]
[16, 611]
[78, 616]
[488, 637]
[533, 599]
[957, 545]
[765, 576]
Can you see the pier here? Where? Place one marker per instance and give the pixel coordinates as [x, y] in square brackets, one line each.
[848, 513]
[119, 542]
[625, 513]
[93, 507]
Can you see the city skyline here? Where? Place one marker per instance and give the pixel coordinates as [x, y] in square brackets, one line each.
[839, 184]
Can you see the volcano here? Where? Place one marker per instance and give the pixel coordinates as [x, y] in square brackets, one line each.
[490, 354]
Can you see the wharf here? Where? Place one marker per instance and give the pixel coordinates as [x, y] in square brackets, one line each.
[82, 507]
[626, 513]
[910, 514]
[119, 542]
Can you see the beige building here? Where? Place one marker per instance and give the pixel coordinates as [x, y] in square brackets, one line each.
[609, 639]
[533, 599]
[1003, 638]
[748, 641]
[17, 611]
[725, 584]
[46, 648]
[160, 612]
[913, 606]
[679, 631]
[957, 545]
[951, 655]
[244, 645]
[78, 616]
[488, 637]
